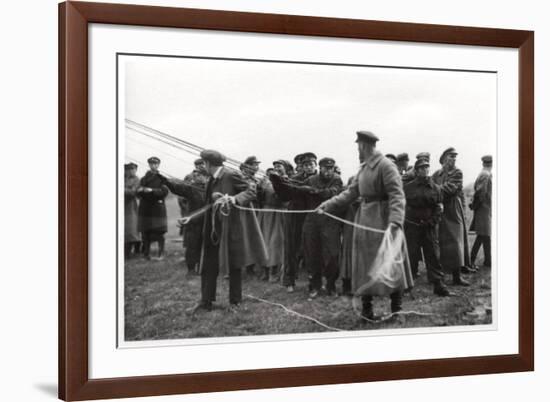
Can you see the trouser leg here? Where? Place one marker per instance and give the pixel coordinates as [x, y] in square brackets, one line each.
[161, 242]
[146, 244]
[235, 285]
[209, 274]
[312, 254]
[487, 251]
[289, 273]
[431, 254]
[330, 249]
[367, 307]
[413, 246]
[475, 248]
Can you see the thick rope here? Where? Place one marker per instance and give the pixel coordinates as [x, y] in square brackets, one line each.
[309, 211]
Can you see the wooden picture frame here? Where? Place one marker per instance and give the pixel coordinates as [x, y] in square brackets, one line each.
[74, 381]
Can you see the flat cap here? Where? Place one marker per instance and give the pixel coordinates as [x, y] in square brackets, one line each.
[366, 136]
[423, 155]
[130, 165]
[199, 161]
[448, 151]
[153, 159]
[487, 159]
[298, 158]
[402, 157]
[309, 156]
[214, 157]
[251, 160]
[327, 162]
[421, 162]
[391, 157]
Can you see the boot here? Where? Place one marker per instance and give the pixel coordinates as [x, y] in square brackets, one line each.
[367, 314]
[346, 286]
[457, 279]
[440, 289]
[396, 302]
[265, 274]
[274, 274]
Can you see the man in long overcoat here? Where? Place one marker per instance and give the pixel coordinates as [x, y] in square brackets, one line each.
[152, 209]
[230, 240]
[453, 236]
[378, 183]
[482, 206]
[131, 234]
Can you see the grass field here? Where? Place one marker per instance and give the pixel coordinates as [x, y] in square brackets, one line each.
[157, 293]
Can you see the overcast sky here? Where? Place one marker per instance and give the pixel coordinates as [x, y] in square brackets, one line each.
[277, 110]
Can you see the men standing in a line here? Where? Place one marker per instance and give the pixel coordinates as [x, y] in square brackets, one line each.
[152, 209]
[421, 218]
[453, 240]
[321, 234]
[378, 183]
[293, 237]
[230, 240]
[131, 234]
[482, 206]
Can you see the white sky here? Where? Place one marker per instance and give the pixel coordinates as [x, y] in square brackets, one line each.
[277, 110]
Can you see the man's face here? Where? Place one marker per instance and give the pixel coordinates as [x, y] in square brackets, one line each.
[404, 164]
[309, 166]
[361, 150]
[423, 171]
[326, 172]
[279, 168]
[253, 168]
[450, 160]
[299, 168]
[154, 166]
[209, 168]
[201, 167]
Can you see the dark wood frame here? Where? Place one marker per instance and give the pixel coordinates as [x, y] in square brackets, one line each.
[74, 17]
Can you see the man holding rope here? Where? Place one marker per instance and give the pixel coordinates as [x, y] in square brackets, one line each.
[231, 240]
[382, 209]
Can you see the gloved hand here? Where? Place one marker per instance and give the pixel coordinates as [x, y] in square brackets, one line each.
[322, 207]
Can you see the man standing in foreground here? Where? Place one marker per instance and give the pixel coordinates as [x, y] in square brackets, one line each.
[230, 240]
[131, 234]
[482, 205]
[421, 218]
[453, 237]
[378, 182]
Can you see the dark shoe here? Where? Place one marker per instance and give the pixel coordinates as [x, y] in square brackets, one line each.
[467, 270]
[235, 307]
[368, 316]
[200, 306]
[441, 290]
[457, 280]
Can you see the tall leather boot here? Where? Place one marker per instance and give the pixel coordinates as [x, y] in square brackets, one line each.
[457, 279]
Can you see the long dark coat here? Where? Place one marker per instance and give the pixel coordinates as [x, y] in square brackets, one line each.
[131, 233]
[453, 236]
[272, 224]
[482, 204]
[379, 184]
[237, 236]
[152, 207]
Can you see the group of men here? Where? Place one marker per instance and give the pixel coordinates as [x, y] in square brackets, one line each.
[303, 217]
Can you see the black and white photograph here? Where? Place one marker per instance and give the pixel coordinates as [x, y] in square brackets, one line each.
[272, 197]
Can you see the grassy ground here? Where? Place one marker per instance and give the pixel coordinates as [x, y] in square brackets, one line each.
[157, 293]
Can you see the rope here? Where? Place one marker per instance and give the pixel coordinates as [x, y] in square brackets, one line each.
[308, 211]
[307, 317]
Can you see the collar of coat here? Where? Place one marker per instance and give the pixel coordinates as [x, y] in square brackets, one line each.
[373, 160]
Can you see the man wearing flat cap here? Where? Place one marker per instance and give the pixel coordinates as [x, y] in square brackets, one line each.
[379, 185]
[421, 219]
[402, 161]
[132, 239]
[482, 206]
[410, 174]
[285, 189]
[230, 240]
[192, 231]
[453, 235]
[152, 209]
